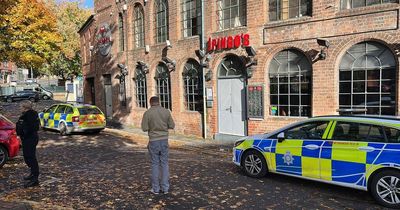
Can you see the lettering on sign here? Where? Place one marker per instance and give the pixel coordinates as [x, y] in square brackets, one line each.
[229, 42]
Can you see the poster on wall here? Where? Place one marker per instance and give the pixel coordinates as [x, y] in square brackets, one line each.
[255, 102]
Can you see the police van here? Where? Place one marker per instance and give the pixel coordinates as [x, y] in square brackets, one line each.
[361, 152]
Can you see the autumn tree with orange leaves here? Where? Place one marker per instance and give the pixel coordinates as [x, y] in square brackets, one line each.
[29, 35]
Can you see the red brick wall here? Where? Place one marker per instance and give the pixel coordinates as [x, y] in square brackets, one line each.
[343, 29]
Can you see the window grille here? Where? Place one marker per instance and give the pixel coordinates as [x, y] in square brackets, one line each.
[163, 86]
[367, 79]
[290, 84]
[193, 86]
[288, 9]
[121, 32]
[138, 22]
[141, 88]
[161, 19]
[349, 4]
[231, 13]
[191, 17]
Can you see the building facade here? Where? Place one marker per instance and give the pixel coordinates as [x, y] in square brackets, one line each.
[263, 64]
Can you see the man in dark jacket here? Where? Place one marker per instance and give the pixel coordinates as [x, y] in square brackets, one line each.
[27, 130]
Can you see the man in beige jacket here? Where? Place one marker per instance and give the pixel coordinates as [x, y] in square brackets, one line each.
[156, 122]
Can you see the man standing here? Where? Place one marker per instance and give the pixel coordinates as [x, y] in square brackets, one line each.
[156, 121]
[27, 130]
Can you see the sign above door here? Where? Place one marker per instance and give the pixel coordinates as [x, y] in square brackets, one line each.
[228, 42]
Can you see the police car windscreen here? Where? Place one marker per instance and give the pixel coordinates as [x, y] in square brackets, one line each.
[88, 110]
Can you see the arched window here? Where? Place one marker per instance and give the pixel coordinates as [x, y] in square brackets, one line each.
[231, 13]
[161, 18]
[138, 24]
[367, 79]
[290, 84]
[163, 86]
[193, 86]
[231, 66]
[141, 88]
[191, 17]
[121, 32]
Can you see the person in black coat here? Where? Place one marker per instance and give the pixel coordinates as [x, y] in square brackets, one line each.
[27, 130]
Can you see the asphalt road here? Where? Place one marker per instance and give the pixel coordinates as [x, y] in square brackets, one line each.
[111, 171]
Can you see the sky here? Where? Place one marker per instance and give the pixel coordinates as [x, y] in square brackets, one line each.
[88, 3]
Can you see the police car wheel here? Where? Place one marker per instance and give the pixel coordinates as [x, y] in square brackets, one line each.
[385, 188]
[254, 165]
[63, 129]
[46, 97]
[3, 156]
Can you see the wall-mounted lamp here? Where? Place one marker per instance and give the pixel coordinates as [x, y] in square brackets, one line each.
[251, 61]
[124, 7]
[91, 47]
[208, 75]
[171, 64]
[124, 69]
[204, 62]
[324, 45]
[169, 46]
[147, 48]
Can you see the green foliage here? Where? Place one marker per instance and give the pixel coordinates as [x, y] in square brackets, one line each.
[29, 35]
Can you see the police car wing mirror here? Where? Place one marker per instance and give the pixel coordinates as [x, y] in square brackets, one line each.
[281, 137]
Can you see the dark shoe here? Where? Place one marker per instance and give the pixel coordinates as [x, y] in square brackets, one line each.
[30, 177]
[31, 183]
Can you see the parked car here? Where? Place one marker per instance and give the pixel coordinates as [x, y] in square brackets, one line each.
[22, 95]
[43, 93]
[9, 142]
[361, 152]
[69, 118]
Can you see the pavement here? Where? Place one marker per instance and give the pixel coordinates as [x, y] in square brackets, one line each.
[200, 145]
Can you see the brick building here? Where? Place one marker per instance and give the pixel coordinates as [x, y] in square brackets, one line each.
[7, 70]
[266, 63]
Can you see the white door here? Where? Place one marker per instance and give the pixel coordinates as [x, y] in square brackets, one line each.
[108, 92]
[231, 110]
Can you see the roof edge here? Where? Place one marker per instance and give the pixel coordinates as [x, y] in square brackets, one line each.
[88, 21]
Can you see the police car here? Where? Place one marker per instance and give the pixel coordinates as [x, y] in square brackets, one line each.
[69, 118]
[361, 152]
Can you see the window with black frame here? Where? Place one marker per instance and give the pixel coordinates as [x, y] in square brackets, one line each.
[290, 84]
[191, 17]
[161, 20]
[141, 88]
[231, 13]
[122, 91]
[121, 32]
[367, 79]
[349, 4]
[288, 9]
[138, 24]
[193, 86]
[163, 86]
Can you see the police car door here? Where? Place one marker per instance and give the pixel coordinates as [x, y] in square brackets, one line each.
[298, 153]
[349, 149]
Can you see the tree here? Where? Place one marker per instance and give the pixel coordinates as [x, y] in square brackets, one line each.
[70, 17]
[29, 33]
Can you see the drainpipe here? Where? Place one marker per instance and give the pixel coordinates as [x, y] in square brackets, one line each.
[202, 47]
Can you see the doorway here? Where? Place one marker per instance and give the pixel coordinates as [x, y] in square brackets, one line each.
[232, 97]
